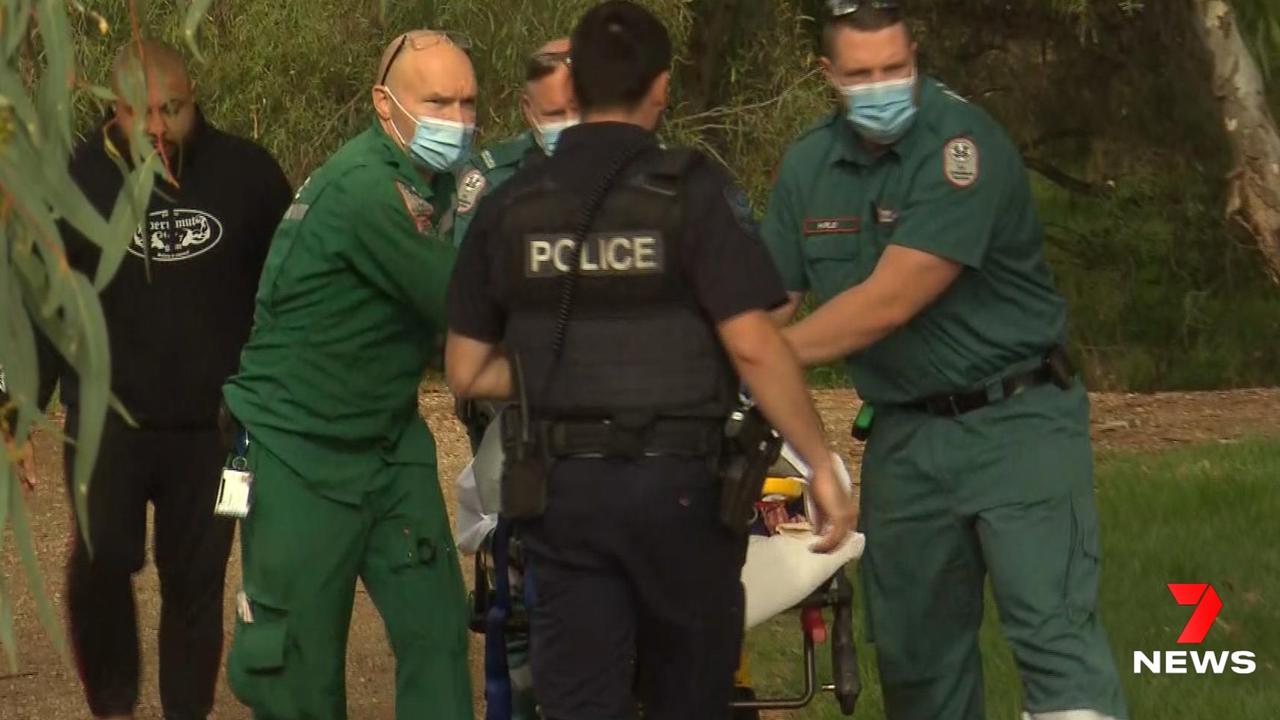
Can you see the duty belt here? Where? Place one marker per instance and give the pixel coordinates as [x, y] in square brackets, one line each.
[1055, 368]
[608, 438]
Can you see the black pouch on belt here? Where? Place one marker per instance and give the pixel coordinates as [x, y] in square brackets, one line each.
[525, 468]
[1061, 372]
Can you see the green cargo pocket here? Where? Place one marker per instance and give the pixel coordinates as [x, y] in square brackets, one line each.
[256, 662]
[1085, 559]
[261, 645]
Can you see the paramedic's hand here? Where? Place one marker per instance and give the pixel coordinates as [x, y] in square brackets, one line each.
[836, 506]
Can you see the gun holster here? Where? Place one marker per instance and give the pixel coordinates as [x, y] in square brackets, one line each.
[751, 447]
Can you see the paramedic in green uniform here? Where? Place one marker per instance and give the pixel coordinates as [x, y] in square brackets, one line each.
[909, 216]
[349, 312]
[549, 109]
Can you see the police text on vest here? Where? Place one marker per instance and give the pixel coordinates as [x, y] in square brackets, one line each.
[626, 253]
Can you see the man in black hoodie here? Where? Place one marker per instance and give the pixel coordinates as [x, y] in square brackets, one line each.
[178, 311]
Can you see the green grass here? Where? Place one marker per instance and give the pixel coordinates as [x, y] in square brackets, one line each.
[1203, 514]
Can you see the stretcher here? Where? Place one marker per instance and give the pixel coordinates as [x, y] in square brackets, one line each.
[780, 575]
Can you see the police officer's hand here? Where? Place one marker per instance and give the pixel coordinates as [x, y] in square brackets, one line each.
[837, 508]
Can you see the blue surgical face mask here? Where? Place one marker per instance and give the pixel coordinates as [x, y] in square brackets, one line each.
[441, 145]
[549, 134]
[881, 112]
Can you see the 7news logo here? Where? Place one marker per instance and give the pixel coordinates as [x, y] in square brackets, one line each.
[1181, 662]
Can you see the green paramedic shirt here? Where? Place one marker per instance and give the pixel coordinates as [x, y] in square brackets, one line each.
[485, 172]
[953, 186]
[350, 310]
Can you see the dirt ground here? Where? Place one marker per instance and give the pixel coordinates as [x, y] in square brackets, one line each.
[46, 689]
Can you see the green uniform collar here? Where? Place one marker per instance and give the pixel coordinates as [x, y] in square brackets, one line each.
[510, 152]
[849, 147]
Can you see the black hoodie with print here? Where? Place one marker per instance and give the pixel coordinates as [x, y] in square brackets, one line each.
[176, 327]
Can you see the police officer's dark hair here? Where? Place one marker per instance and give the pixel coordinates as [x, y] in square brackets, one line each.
[618, 50]
[865, 19]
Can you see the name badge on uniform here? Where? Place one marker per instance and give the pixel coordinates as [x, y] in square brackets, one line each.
[832, 225]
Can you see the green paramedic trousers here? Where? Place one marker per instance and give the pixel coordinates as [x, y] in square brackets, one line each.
[1006, 490]
[302, 553]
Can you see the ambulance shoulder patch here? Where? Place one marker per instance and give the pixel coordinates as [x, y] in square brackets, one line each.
[419, 209]
[470, 187]
[960, 162]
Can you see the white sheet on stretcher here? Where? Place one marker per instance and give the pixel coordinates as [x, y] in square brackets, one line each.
[780, 570]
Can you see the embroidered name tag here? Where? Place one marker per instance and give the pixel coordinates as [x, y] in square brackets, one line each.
[830, 226]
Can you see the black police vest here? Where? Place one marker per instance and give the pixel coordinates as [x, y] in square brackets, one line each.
[637, 343]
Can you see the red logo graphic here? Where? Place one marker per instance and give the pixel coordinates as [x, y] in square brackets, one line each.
[1207, 603]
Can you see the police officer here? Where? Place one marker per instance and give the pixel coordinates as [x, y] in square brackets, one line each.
[909, 216]
[634, 577]
[349, 312]
[177, 311]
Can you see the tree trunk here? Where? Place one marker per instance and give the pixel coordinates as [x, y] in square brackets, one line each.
[708, 51]
[1254, 192]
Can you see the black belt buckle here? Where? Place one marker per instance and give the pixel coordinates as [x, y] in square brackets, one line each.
[627, 438]
[944, 406]
[953, 406]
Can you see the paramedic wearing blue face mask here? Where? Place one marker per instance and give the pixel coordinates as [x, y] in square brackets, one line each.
[548, 106]
[908, 214]
[350, 309]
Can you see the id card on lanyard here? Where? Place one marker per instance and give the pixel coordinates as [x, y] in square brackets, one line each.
[237, 482]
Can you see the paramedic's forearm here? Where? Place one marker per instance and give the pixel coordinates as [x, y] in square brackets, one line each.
[904, 282]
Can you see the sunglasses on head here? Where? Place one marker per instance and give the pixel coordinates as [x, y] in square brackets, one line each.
[841, 8]
[421, 40]
[551, 59]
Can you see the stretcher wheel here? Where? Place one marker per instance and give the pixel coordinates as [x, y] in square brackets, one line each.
[844, 653]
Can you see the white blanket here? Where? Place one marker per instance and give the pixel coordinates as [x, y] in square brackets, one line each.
[780, 571]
